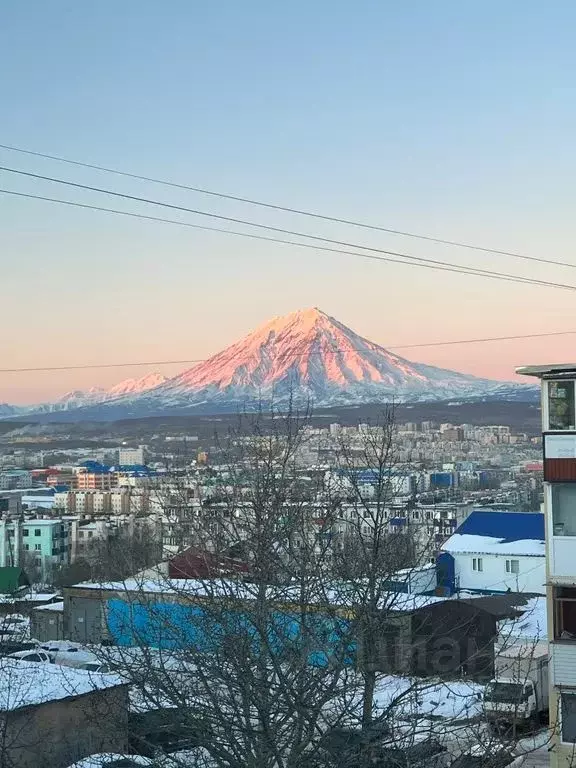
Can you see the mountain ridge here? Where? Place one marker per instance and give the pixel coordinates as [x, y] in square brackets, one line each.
[305, 357]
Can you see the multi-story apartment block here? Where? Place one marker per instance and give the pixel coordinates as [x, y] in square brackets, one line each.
[95, 480]
[559, 448]
[15, 479]
[118, 501]
[132, 456]
[39, 544]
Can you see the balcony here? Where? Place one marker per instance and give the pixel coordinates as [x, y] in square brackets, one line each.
[561, 504]
[563, 646]
[560, 457]
[563, 663]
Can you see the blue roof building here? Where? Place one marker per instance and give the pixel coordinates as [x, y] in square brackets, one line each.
[493, 552]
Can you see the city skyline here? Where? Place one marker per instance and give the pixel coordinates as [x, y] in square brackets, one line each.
[386, 114]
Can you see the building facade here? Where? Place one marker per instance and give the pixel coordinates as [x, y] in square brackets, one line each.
[14, 479]
[131, 456]
[496, 551]
[559, 458]
[36, 544]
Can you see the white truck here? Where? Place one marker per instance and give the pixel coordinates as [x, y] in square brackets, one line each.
[519, 692]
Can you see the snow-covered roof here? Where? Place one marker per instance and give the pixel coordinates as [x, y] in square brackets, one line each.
[27, 683]
[499, 533]
[488, 545]
[342, 595]
[531, 626]
[38, 597]
[50, 607]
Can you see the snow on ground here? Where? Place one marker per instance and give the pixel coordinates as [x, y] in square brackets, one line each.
[412, 697]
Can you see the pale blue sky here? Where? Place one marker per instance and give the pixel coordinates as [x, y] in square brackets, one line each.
[449, 118]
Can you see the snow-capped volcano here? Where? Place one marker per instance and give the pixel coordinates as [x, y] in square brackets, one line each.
[306, 356]
[310, 356]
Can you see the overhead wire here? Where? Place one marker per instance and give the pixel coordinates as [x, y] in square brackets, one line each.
[402, 258]
[287, 209]
[308, 353]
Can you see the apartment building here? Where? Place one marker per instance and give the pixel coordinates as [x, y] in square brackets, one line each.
[559, 448]
[132, 456]
[13, 479]
[95, 479]
[36, 543]
[117, 501]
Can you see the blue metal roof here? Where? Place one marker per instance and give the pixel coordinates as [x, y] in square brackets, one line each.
[95, 466]
[508, 526]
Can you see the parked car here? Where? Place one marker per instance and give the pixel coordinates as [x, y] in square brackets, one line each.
[96, 666]
[59, 647]
[33, 655]
[8, 647]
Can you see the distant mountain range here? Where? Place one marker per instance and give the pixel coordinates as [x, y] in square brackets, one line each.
[77, 399]
[306, 357]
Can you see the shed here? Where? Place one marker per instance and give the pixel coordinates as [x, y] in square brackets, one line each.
[47, 622]
[12, 579]
[54, 715]
[454, 637]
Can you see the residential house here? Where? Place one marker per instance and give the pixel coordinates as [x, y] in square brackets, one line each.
[495, 552]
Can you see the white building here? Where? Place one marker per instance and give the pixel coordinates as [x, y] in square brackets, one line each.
[132, 456]
[498, 552]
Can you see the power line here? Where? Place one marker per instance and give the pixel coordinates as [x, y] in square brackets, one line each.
[415, 261]
[287, 209]
[408, 259]
[311, 353]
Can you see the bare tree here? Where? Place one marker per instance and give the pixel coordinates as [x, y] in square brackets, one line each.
[268, 664]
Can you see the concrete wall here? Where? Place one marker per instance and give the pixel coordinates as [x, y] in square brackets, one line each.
[58, 733]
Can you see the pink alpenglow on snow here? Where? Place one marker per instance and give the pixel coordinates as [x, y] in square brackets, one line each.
[317, 356]
[306, 357]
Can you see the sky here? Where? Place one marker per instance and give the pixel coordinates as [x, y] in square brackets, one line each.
[451, 119]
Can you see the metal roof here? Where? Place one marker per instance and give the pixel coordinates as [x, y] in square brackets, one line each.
[508, 526]
[548, 371]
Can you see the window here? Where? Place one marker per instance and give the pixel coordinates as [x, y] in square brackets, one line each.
[477, 564]
[561, 405]
[512, 566]
[564, 602]
[37, 547]
[568, 710]
[26, 547]
[564, 509]
[37, 532]
[25, 532]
